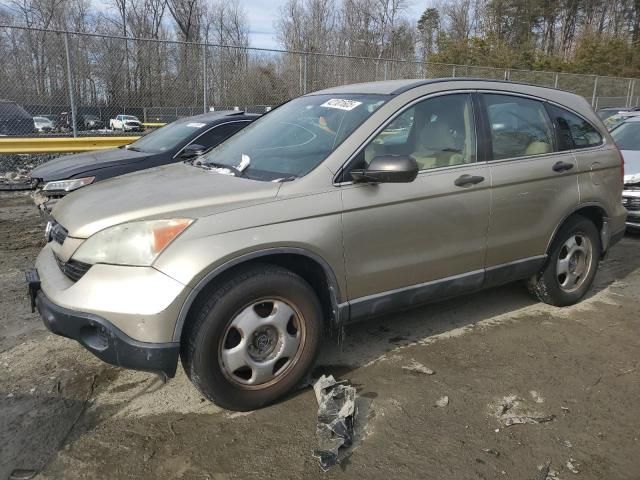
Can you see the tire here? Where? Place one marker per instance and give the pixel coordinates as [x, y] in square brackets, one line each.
[555, 287]
[223, 333]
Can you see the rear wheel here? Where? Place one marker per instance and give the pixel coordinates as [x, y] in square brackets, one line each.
[254, 339]
[571, 265]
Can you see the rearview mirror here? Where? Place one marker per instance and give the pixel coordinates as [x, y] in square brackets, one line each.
[388, 169]
[193, 150]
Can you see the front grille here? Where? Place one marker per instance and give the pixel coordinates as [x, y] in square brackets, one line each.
[631, 203]
[73, 269]
[58, 232]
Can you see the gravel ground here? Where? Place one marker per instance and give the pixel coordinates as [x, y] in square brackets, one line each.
[497, 355]
[16, 168]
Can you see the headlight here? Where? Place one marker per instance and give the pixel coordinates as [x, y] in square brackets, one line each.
[68, 185]
[135, 243]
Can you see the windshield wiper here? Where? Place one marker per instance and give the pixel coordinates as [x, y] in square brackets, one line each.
[218, 167]
[289, 178]
[133, 149]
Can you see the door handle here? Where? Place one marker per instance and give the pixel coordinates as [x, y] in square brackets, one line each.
[562, 166]
[468, 180]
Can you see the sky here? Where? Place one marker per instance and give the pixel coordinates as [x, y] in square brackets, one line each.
[262, 15]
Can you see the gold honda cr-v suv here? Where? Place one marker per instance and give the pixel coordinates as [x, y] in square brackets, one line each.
[336, 206]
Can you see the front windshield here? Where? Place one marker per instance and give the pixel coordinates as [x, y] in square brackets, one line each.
[167, 138]
[627, 136]
[293, 139]
[129, 117]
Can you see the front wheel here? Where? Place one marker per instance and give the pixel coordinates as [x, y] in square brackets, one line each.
[254, 339]
[571, 265]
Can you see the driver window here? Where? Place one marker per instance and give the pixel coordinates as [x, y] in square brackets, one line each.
[437, 132]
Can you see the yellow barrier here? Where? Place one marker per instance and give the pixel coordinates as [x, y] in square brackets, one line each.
[60, 144]
[153, 125]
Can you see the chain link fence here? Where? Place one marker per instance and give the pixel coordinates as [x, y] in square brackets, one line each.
[69, 83]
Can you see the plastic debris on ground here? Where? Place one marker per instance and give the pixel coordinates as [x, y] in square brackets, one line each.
[442, 402]
[336, 413]
[527, 419]
[543, 471]
[513, 410]
[572, 465]
[417, 368]
[491, 451]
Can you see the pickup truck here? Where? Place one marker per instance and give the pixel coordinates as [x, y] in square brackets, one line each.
[126, 123]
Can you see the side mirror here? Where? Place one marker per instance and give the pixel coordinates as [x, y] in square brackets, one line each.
[192, 151]
[388, 169]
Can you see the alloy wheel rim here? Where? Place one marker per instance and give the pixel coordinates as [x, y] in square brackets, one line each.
[263, 340]
[574, 262]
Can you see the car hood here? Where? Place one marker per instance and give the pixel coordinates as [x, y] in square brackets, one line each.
[73, 165]
[631, 166]
[170, 191]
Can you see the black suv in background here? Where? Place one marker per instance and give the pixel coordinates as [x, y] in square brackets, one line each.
[15, 120]
[181, 140]
[90, 122]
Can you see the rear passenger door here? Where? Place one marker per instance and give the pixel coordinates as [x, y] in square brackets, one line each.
[534, 184]
[598, 164]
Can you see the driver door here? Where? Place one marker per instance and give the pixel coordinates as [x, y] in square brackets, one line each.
[409, 243]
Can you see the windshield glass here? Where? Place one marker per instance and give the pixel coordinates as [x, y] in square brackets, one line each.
[627, 136]
[169, 137]
[129, 117]
[293, 139]
[607, 112]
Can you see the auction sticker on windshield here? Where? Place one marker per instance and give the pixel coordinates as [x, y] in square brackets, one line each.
[196, 125]
[341, 104]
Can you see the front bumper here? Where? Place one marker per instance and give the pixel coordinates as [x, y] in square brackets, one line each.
[141, 302]
[631, 201]
[46, 203]
[100, 337]
[633, 222]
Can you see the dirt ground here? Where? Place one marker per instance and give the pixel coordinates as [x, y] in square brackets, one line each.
[497, 355]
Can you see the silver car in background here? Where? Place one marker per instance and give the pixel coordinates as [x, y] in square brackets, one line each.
[627, 137]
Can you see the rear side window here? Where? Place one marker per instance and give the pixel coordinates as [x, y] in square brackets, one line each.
[573, 131]
[519, 126]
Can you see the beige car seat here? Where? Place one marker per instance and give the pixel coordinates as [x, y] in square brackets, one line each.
[537, 148]
[434, 146]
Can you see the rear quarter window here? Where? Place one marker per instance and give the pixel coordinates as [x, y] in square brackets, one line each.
[574, 132]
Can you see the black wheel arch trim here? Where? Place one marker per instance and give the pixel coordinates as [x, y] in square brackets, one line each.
[575, 210]
[339, 310]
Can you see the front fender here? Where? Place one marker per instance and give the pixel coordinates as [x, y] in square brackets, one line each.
[334, 287]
